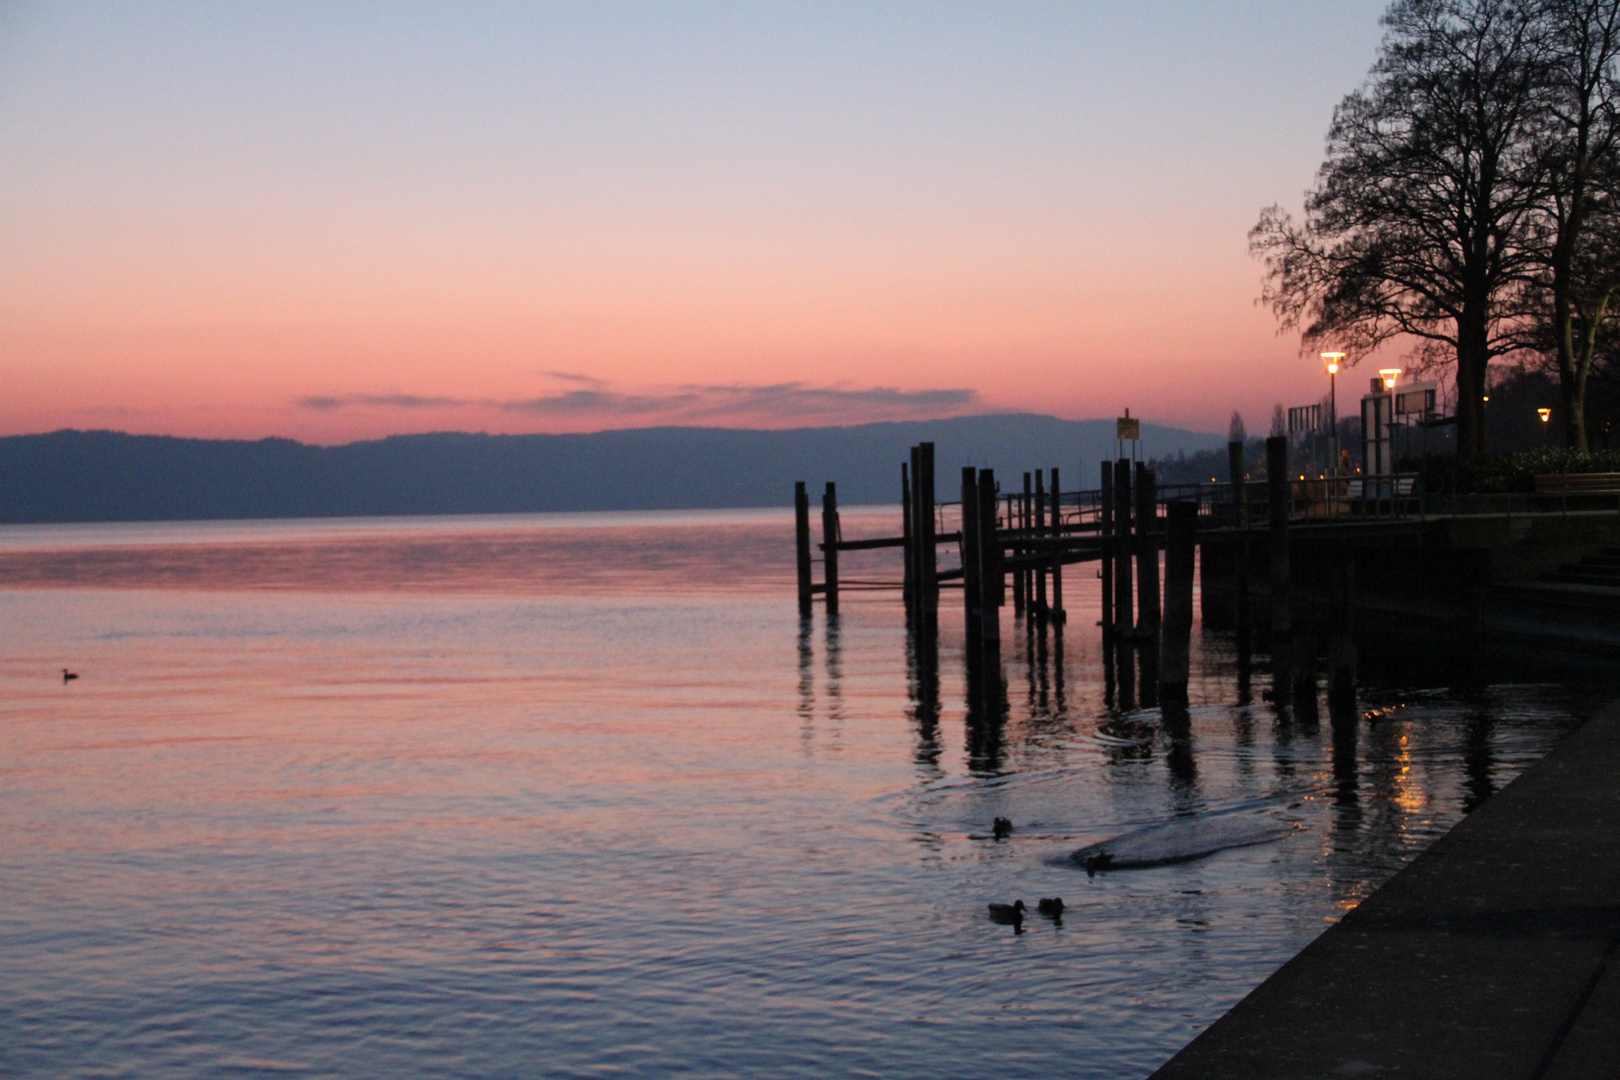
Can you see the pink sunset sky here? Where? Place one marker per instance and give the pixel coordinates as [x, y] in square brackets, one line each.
[334, 221]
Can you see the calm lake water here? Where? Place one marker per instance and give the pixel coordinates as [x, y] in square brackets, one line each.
[577, 795]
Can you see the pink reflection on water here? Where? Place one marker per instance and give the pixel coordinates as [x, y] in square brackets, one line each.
[539, 554]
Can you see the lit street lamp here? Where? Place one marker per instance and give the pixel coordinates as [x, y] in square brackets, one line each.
[1332, 359]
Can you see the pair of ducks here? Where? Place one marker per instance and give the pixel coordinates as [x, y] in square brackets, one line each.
[1013, 914]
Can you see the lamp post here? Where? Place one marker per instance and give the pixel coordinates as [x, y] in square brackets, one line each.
[1390, 376]
[1332, 360]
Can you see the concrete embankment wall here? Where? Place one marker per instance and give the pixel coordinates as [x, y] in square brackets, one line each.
[1493, 954]
[1462, 578]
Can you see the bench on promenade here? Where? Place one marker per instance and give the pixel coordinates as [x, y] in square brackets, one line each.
[1596, 483]
[1400, 487]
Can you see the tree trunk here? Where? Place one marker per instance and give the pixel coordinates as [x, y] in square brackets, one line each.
[1473, 355]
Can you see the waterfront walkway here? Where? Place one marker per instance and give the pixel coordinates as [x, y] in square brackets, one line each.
[1492, 955]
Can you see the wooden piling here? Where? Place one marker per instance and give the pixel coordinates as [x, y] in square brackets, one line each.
[1058, 613]
[970, 550]
[1341, 650]
[928, 565]
[992, 574]
[1124, 617]
[801, 536]
[829, 547]
[1147, 552]
[1277, 510]
[908, 539]
[1021, 575]
[1175, 649]
[1240, 521]
[1106, 543]
[1040, 530]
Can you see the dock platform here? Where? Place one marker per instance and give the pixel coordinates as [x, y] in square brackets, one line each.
[1493, 954]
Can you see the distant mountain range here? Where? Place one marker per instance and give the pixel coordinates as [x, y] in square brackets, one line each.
[110, 476]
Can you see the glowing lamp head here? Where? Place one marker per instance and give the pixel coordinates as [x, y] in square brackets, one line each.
[1332, 360]
[1545, 414]
[1389, 375]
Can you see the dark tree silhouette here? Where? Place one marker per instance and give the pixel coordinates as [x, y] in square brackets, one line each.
[1417, 224]
[1577, 225]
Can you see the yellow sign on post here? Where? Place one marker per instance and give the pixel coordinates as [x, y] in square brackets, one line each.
[1129, 427]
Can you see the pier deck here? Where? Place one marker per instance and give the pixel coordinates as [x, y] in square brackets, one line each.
[1493, 954]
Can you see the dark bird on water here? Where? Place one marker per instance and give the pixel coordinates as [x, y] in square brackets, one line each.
[69, 676]
[1052, 907]
[1007, 914]
[1100, 861]
[1002, 828]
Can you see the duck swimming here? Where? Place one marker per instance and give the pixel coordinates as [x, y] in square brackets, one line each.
[1002, 828]
[1052, 907]
[1007, 914]
[68, 676]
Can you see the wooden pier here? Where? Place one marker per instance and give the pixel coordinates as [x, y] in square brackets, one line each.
[1312, 562]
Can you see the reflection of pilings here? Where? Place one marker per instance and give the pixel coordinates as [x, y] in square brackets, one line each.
[1178, 729]
[1125, 667]
[1240, 504]
[1147, 555]
[1282, 681]
[1107, 542]
[830, 536]
[1175, 659]
[801, 536]
[922, 648]
[1304, 670]
[986, 723]
[1124, 618]
[1341, 647]
[807, 673]
[1147, 654]
[1277, 509]
[835, 669]
[1345, 766]
[1479, 761]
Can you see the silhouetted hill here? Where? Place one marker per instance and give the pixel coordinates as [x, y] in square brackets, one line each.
[111, 476]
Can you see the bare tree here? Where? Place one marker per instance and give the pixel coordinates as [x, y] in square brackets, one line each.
[1416, 225]
[1578, 222]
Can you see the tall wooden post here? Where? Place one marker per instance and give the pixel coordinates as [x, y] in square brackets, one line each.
[1124, 617]
[1057, 556]
[1021, 576]
[1105, 538]
[908, 540]
[829, 546]
[992, 576]
[1277, 489]
[928, 565]
[801, 536]
[1147, 552]
[1240, 521]
[970, 551]
[1175, 652]
[1040, 530]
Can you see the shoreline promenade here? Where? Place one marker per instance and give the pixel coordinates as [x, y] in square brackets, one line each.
[1493, 954]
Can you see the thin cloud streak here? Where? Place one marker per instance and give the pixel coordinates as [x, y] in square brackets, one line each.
[781, 401]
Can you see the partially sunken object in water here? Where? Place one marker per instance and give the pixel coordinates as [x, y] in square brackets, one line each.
[1181, 840]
